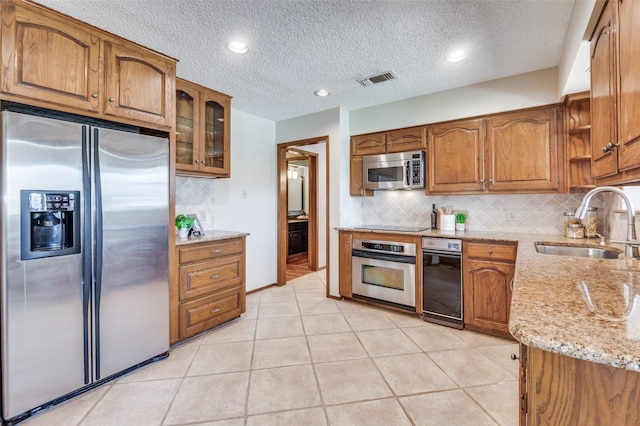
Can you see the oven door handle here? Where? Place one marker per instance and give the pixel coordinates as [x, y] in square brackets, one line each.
[457, 255]
[379, 256]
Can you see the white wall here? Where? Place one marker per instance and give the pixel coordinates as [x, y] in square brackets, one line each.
[334, 124]
[223, 204]
[516, 92]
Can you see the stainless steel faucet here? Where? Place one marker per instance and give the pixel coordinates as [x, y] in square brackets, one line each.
[631, 249]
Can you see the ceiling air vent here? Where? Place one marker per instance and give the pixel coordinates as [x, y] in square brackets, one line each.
[375, 79]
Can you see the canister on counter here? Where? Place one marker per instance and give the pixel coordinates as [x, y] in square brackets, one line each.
[569, 218]
[575, 230]
[590, 223]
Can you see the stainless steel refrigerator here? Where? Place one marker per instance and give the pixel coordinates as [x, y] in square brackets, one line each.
[84, 257]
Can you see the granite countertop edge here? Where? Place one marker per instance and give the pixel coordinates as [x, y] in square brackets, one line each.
[574, 306]
[210, 235]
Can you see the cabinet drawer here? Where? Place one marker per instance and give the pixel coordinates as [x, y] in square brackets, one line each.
[495, 251]
[211, 251]
[207, 312]
[203, 278]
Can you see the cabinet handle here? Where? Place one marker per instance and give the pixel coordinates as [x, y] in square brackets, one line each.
[469, 270]
[511, 285]
[112, 99]
[216, 310]
[490, 251]
[94, 95]
[216, 251]
[214, 277]
[490, 180]
[514, 357]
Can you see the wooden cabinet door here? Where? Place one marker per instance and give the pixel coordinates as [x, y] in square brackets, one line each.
[522, 151]
[368, 144]
[215, 112]
[356, 178]
[487, 295]
[455, 157]
[404, 140]
[49, 60]
[344, 263]
[628, 85]
[604, 162]
[187, 125]
[138, 85]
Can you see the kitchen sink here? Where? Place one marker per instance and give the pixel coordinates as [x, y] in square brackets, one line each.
[599, 253]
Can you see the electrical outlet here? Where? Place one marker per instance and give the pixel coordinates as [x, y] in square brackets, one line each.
[511, 215]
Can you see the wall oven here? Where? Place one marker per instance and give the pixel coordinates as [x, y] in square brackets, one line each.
[442, 281]
[384, 271]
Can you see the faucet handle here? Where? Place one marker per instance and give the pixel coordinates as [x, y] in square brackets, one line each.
[603, 240]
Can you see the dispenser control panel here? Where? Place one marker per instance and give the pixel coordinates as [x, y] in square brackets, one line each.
[41, 201]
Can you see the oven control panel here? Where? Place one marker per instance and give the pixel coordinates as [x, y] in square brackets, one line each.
[442, 244]
[390, 247]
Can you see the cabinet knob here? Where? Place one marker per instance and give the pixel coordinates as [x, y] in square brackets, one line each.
[112, 99]
[469, 270]
[490, 251]
[490, 180]
[94, 95]
[514, 357]
[511, 285]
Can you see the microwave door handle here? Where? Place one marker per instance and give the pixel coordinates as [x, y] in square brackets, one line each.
[407, 173]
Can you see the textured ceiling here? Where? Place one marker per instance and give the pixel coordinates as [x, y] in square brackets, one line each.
[299, 46]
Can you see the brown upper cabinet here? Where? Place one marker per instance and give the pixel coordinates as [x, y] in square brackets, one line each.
[203, 128]
[615, 98]
[508, 152]
[455, 157]
[54, 61]
[402, 140]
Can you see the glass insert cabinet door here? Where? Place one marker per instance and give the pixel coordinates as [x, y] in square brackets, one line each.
[185, 153]
[202, 131]
[214, 149]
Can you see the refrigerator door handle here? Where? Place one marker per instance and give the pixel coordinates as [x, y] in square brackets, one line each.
[99, 250]
[86, 252]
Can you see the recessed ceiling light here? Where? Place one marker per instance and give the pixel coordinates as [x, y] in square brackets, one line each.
[322, 93]
[238, 47]
[456, 56]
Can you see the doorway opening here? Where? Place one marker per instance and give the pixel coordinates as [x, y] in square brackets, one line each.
[302, 224]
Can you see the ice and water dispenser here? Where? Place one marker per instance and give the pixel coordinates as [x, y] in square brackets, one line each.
[50, 223]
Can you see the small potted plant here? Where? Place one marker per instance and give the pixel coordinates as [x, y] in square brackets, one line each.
[183, 223]
[461, 218]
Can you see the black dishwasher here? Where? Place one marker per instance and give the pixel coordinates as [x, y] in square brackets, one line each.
[442, 281]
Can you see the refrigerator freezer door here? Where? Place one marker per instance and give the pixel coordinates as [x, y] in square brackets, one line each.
[132, 185]
[42, 330]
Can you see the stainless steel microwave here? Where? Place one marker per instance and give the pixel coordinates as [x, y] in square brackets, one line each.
[402, 170]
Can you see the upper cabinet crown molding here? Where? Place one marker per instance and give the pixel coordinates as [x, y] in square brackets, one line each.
[54, 61]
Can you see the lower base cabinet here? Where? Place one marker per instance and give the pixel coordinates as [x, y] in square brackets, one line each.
[561, 390]
[488, 270]
[211, 286]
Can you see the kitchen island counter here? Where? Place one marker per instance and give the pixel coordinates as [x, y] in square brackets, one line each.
[575, 306]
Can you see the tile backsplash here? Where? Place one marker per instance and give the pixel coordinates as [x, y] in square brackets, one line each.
[196, 195]
[541, 213]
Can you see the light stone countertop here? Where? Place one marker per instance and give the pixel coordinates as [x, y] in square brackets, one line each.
[576, 306]
[210, 235]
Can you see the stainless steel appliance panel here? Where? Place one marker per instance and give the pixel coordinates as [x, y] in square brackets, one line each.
[442, 293]
[132, 186]
[42, 331]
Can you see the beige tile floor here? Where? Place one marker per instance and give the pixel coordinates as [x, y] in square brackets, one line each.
[298, 358]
